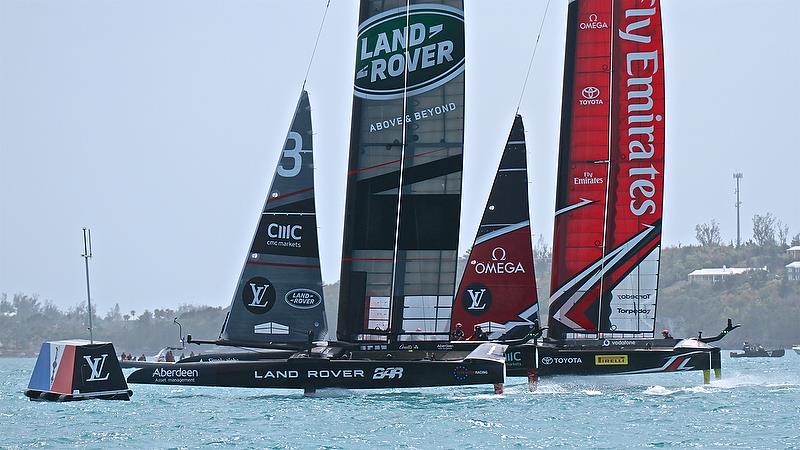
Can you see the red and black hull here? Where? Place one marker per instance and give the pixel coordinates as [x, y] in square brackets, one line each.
[548, 359]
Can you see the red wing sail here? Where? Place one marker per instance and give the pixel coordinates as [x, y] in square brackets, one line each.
[608, 213]
[583, 165]
[637, 155]
[498, 289]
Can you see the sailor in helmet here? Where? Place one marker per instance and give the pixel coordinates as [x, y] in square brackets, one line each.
[458, 333]
[666, 335]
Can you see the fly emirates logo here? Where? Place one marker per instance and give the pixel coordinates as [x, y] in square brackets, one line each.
[640, 51]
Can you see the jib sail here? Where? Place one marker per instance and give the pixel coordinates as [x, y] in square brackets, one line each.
[607, 235]
[498, 289]
[404, 178]
[279, 295]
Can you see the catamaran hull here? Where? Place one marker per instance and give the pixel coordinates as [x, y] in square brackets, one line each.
[760, 354]
[310, 374]
[547, 360]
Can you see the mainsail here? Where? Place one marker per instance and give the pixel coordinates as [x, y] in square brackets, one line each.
[607, 235]
[404, 179]
[498, 289]
[279, 295]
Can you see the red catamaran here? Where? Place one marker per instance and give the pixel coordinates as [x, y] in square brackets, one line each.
[607, 236]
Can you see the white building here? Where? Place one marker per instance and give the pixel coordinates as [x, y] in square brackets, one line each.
[711, 276]
[793, 271]
[794, 252]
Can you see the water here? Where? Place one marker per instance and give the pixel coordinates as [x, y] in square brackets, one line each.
[755, 405]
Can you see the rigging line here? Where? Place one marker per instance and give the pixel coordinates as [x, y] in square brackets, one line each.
[392, 307]
[533, 56]
[316, 43]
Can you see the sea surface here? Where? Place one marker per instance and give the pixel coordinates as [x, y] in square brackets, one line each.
[755, 405]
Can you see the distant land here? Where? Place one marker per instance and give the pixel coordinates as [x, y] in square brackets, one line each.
[766, 302]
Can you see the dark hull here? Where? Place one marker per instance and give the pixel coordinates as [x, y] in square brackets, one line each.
[314, 373]
[221, 356]
[572, 357]
[610, 360]
[762, 354]
[35, 395]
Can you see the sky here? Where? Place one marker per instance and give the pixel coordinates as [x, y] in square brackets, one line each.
[158, 124]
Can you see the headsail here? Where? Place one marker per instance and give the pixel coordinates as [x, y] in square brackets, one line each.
[279, 295]
[607, 235]
[404, 180]
[498, 289]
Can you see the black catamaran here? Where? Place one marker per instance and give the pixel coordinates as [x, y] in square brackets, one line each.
[401, 230]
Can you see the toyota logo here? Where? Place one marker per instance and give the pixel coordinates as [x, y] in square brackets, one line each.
[590, 93]
[547, 360]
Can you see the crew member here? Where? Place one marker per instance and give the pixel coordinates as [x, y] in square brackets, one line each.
[666, 334]
[458, 333]
[479, 334]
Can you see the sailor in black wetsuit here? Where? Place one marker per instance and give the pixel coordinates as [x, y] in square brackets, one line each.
[479, 334]
[666, 335]
[458, 333]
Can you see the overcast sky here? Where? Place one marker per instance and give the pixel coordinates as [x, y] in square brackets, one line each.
[159, 123]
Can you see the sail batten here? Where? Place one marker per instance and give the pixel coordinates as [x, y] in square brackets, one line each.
[610, 179]
[278, 299]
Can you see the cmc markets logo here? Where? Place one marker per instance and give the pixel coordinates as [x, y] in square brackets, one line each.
[409, 51]
[281, 235]
[499, 264]
[476, 299]
[96, 367]
[303, 298]
[594, 23]
[258, 295]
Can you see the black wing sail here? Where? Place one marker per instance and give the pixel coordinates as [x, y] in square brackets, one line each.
[404, 181]
[279, 295]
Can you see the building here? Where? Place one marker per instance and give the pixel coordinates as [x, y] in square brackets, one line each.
[794, 252]
[793, 271]
[711, 276]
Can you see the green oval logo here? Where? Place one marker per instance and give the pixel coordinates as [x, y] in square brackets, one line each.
[418, 51]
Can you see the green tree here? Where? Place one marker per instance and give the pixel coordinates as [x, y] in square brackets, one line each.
[708, 234]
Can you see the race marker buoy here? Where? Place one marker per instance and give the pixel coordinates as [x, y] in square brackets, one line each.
[77, 370]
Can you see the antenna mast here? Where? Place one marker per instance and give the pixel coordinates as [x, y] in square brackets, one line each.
[738, 176]
[87, 253]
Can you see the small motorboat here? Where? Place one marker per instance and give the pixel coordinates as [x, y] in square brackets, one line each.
[796, 349]
[757, 351]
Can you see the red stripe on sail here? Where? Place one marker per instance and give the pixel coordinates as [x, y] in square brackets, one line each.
[583, 162]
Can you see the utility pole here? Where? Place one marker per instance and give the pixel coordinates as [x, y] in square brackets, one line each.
[87, 253]
[738, 176]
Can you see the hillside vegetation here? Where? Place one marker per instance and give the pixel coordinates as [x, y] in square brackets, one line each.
[765, 302]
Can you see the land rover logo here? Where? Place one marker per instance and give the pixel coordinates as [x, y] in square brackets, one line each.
[258, 295]
[415, 49]
[303, 298]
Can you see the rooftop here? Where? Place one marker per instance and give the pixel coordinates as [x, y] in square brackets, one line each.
[726, 270]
